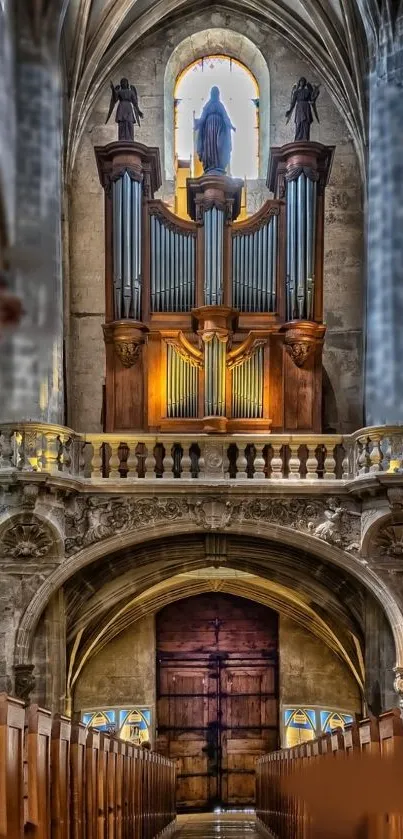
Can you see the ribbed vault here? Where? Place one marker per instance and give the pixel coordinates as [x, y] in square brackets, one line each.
[329, 34]
[107, 596]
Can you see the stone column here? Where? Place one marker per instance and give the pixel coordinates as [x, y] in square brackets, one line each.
[32, 380]
[384, 332]
[379, 659]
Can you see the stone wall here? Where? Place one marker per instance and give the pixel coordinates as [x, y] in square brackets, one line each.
[343, 242]
[310, 674]
[7, 125]
[123, 673]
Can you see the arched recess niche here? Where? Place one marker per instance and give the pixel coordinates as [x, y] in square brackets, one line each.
[217, 41]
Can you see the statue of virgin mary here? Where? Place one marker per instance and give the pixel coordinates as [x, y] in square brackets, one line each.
[214, 128]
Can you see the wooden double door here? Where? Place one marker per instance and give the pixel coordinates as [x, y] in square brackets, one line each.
[217, 696]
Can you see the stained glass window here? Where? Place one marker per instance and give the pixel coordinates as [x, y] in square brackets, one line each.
[304, 724]
[300, 725]
[131, 724]
[329, 721]
[240, 95]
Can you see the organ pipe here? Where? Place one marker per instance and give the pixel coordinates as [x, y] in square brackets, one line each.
[127, 280]
[247, 387]
[301, 229]
[182, 386]
[214, 377]
[213, 256]
[173, 268]
[254, 268]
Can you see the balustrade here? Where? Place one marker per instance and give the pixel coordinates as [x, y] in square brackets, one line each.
[62, 781]
[56, 450]
[283, 815]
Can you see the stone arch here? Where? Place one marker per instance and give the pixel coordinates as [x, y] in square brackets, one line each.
[216, 41]
[282, 536]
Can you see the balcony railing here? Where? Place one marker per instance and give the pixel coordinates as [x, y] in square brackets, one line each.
[53, 449]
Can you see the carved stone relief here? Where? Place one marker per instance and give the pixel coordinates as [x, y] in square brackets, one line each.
[24, 539]
[24, 681]
[95, 518]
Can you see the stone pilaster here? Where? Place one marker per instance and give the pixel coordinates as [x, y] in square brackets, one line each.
[32, 380]
[384, 344]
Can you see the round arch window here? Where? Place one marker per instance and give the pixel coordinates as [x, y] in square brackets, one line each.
[239, 93]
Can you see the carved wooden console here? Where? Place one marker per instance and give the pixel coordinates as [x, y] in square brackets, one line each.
[213, 325]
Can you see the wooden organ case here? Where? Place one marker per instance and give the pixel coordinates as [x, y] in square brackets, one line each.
[214, 325]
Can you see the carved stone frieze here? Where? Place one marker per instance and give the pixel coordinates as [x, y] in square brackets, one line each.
[25, 539]
[95, 518]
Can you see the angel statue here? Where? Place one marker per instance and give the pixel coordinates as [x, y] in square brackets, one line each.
[128, 112]
[303, 99]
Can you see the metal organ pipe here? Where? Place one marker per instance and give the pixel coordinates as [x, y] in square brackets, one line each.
[213, 256]
[182, 386]
[301, 246]
[173, 267]
[127, 256]
[247, 387]
[254, 268]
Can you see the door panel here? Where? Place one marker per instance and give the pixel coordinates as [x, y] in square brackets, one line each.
[217, 696]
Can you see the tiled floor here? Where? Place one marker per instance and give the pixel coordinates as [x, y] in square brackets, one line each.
[208, 826]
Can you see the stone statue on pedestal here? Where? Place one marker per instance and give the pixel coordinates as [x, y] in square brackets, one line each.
[128, 112]
[214, 128]
[303, 100]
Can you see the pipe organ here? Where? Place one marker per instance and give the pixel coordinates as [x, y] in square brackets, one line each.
[213, 324]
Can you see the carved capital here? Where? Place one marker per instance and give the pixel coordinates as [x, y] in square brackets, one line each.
[127, 337]
[24, 681]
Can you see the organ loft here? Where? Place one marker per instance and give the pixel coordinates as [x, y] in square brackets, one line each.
[214, 324]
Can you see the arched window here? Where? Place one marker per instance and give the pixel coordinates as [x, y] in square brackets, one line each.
[239, 93]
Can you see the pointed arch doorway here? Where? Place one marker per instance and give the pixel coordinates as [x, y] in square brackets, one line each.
[217, 691]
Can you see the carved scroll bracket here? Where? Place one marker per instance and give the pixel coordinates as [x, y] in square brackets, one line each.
[247, 349]
[185, 349]
[127, 337]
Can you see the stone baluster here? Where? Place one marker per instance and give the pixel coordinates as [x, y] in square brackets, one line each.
[277, 468]
[149, 462]
[347, 460]
[30, 451]
[375, 454]
[7, 460]
[168, 462]
[67, 452]
[51, 452]
[132, 459]
[241, 464]
[312, 464]
[362, 457]
[95, 464]
[114, 460]
[186, 463]
[396, 452]
[259, 462]
[294, 463]
[329, 465]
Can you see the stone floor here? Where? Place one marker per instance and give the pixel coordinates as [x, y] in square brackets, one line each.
[210, 826]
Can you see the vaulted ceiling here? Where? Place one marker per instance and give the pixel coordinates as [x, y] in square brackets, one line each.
[330, 34]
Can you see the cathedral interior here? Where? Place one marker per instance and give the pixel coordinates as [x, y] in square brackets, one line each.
[201, 422]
